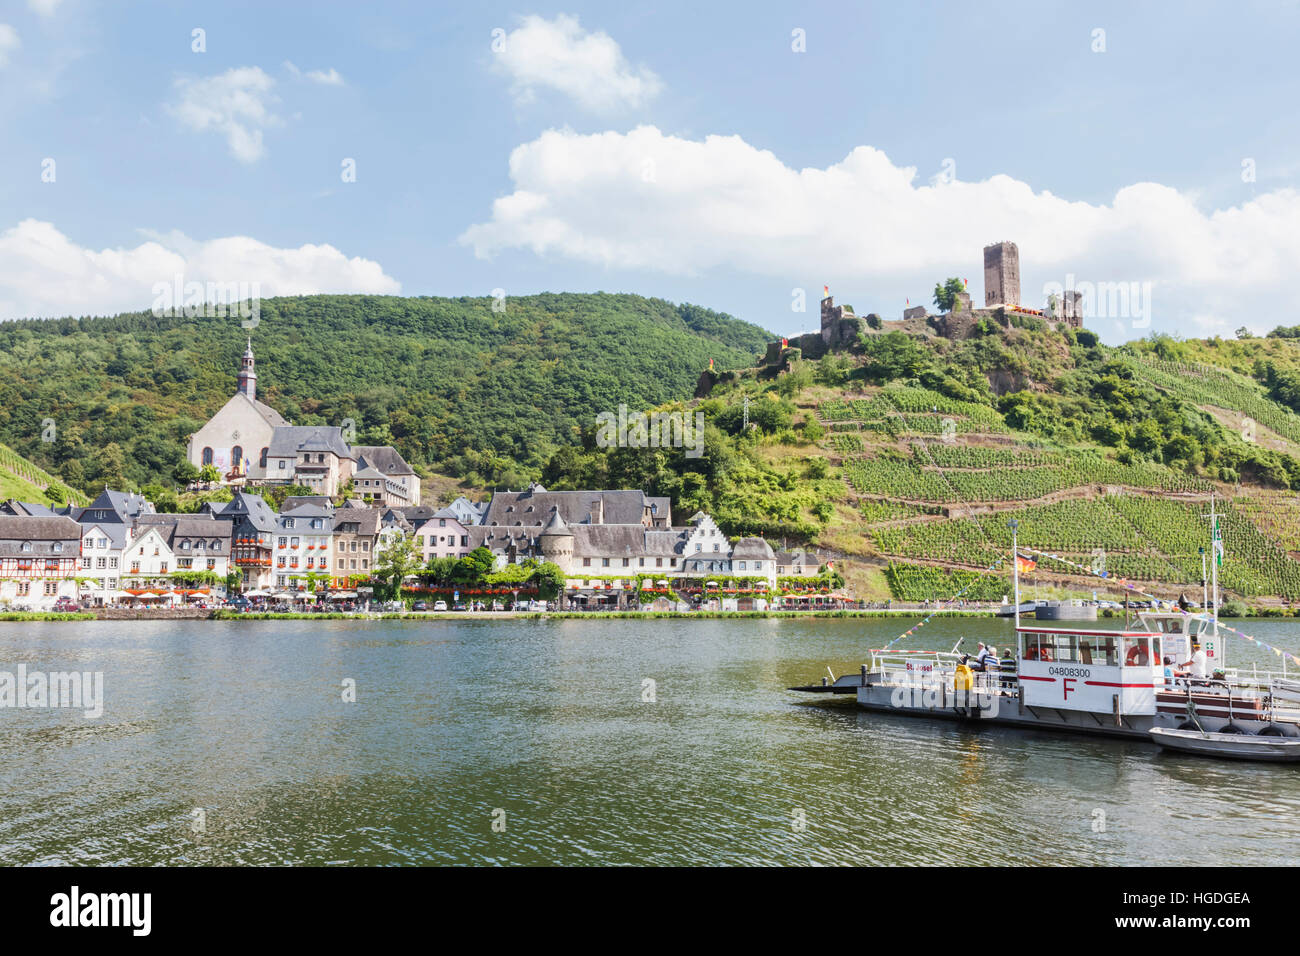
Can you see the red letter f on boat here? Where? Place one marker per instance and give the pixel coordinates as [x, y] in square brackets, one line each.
[1065, 685]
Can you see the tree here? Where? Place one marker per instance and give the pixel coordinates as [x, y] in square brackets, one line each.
[186, 472]
[233, 579]
[474, 567]
[1243, 333]
[209, 474]
[945, 294]
[549, 578]
[396, 563]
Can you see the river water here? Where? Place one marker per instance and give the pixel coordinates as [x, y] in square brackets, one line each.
[530, 742]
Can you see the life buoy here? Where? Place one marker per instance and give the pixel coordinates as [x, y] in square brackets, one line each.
[1137, 656]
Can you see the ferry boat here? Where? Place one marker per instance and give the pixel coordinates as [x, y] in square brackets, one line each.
[1094, 681]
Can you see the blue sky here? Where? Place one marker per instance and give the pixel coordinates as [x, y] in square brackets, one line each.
[682, 150]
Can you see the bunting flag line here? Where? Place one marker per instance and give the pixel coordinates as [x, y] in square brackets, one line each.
[926, 620]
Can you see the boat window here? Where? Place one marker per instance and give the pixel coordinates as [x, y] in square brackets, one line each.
[1066, 648]
[1137, 651]
[1038, 647]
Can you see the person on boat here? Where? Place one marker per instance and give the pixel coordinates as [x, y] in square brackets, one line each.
[983, 657]
[1007, 665]
[1197, 663]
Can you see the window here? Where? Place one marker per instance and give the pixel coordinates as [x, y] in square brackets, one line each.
[236, 456]
[627, 562]
[261, 461]
[207, 456]
[586, 562]
[742, 565]
[659, 562]
[85, 563]
[282, 464]
[604, 562]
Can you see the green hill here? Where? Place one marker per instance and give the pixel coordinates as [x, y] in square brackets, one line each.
[907, 455]
[21, 479]
[458, 387]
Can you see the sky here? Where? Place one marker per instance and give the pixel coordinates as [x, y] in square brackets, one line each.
[738, 156]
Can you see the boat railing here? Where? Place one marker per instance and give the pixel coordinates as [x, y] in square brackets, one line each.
[932, 668]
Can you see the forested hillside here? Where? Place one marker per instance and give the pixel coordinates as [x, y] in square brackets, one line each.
[480, 394]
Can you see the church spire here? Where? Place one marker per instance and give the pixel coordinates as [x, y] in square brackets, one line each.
[248, 377]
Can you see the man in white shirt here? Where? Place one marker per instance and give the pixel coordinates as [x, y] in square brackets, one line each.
[1197, 663]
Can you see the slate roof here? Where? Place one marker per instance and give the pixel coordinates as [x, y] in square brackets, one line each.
[385, 458]
[176, 528]
[288, 441]
[42, 532]
[534, 507]
[26, 509]
[362, 521]
[755, 549]
[251, 510]
[124, 503]
[297, 501]
[302, 517]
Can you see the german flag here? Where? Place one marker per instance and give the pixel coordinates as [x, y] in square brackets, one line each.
[1025, 564]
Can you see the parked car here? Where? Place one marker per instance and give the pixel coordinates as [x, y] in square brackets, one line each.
[440, 605]
[419, 606]
[66, 604]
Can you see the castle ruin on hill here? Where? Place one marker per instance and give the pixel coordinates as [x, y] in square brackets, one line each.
[840, 327]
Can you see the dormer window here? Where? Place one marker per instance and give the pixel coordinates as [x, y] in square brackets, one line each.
[27, 546]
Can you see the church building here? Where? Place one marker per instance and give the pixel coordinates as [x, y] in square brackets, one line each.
[250, 443]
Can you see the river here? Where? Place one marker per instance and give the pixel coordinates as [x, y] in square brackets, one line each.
[532, 742]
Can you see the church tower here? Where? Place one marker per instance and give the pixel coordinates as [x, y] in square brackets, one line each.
[248, 377]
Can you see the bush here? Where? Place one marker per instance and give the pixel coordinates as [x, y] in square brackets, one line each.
[1233, 609]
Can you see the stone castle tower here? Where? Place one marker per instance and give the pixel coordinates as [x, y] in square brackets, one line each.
[1001, 274]
[556, 542]
[247, 377]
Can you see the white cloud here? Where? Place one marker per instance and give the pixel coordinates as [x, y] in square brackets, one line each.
[9, 42]
[44, 273]
[45, 8]
[330, 77]
[644, 200]
[239, 104]
[589, 67]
